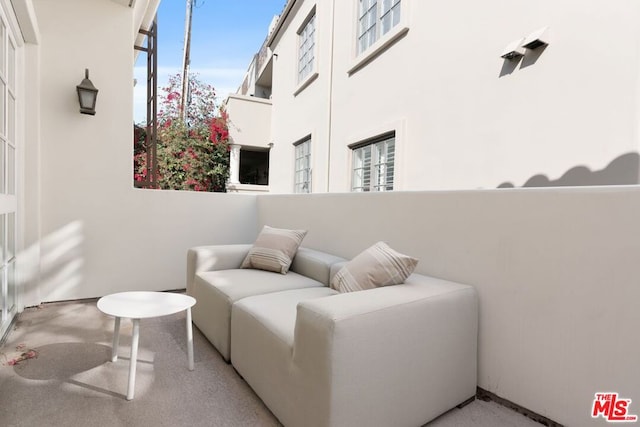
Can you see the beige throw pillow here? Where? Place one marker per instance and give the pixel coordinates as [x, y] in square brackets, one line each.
[377, 266]
[274, 249]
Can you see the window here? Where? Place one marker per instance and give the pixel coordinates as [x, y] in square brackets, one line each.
[375, 19]
[10, 140]
[307, 44]
[302, 180]
[373, 165]
[254, 166]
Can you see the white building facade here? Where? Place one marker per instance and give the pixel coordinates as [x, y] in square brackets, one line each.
[556, 269]
[415, 95]
[249, 112]
[57, 165]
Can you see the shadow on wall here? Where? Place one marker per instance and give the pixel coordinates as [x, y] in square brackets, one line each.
[54, 266]
[527, 60]
[623, 170]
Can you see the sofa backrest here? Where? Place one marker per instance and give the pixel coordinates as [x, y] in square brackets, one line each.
[314, 264]
[335, 268]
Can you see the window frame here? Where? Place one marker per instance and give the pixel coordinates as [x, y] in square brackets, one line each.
[393, 4]
[382, 40]
[364, 16]
[377, 180]
[299, 187]
[304, 38]
[12, 120]
[303, 81]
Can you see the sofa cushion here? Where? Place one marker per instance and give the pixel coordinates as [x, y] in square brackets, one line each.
[276, 312]
[395, 355]
[274, 249]
[377, 266]
[217, 291]
[263, 329]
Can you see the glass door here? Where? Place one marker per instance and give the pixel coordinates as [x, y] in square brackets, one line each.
[8, 199]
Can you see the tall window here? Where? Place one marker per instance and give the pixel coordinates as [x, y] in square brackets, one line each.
[373, 165]
[375, 19]
[10, 97]
[302, 180]
[307, 42]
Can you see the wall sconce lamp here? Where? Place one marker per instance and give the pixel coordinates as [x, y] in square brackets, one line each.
[87, 95]
[536, 39]
[513, 50]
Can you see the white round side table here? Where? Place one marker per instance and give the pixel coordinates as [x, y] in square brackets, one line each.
[141, 305]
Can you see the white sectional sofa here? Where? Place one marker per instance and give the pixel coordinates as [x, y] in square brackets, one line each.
[397, 355]
[215, 280]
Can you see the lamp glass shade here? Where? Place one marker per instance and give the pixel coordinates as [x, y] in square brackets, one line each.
[87, 95]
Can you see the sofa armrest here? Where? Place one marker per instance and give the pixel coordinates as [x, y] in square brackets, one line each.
[418, 338]
[215, 257]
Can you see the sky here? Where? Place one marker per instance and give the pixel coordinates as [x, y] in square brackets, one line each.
[225, 34]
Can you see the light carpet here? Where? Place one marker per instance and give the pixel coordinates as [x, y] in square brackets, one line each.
[64, 377]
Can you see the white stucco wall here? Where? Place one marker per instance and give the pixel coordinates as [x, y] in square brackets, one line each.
[467, 118]
[556, 271]
[300, 112]
[249, 120]
[98, 234]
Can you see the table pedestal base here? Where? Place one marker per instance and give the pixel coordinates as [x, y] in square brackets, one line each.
[135, 337]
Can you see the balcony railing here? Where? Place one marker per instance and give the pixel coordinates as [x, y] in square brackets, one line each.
[263, 56]
[245, 85]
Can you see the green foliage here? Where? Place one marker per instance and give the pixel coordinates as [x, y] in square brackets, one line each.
[192, 154]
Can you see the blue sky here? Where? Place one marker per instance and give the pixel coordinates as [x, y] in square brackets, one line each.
[224, 37]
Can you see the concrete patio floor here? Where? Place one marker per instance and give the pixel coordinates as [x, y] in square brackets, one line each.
[70, 380]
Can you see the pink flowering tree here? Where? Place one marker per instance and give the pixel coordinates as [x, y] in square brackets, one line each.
[192, 154]
[140, 148]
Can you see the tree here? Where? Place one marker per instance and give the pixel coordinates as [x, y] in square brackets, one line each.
[140, 155]
[192, 154]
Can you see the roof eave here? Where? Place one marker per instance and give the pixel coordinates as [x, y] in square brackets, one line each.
[283, 18]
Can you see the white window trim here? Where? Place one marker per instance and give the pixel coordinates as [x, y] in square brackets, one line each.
[373, 143]
[12, 201]
[313, 75]
[399, 126]
[384, 41]
[12, 20]
[305, 83]
[302, 41]
[307, 139]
